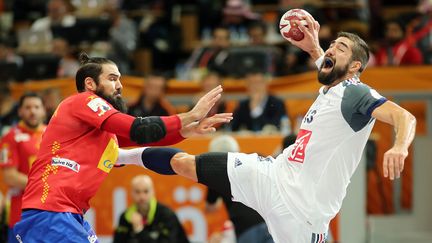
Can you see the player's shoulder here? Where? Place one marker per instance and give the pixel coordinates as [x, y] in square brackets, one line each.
[354, 87]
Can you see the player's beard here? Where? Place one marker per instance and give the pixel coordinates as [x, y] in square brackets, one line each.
[335, 74]
[116, 101]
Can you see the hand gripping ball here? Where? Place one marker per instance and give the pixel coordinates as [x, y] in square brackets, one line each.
[288, 28]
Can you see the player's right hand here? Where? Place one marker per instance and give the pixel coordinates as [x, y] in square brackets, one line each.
[206, 125]
[310, 42]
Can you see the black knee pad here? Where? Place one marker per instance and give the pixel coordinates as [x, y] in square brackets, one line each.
[211, 169]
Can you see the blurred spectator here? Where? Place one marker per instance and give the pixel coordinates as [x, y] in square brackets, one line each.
[248, 224]
[210, 57]
[18, 151]
[147, 220]
[422, 30]
[257, 32]
[159, 31]
[209, 14]
[25, 11]
[260, 109]
[124, 37]
[68, 65]
[51, 98]
[3, 219]
[8, 110]
[58, 13]
[208, 82]
[152, 101]
[8, 53]
[397, 49]
[237, 14]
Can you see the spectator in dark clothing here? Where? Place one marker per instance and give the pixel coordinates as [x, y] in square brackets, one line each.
[152, 101]
[148, 220]
[260, 109]
[210, 57]
[249, 226]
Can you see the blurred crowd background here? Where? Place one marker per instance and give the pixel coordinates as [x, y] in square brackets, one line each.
[185, 38]
[204, 43]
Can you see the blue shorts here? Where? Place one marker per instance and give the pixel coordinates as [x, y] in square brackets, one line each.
[46, 226]
[11, 237]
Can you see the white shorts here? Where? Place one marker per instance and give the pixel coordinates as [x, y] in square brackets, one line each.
[253, 183]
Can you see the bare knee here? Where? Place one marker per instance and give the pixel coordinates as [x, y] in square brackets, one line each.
[184, 164]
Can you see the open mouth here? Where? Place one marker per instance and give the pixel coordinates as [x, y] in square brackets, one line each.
[327, 64]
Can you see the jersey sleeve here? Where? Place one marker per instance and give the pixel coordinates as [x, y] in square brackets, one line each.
[92, 109]
[361, 99]
[8, 152]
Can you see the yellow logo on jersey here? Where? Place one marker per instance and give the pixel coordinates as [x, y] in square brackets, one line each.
[109, 157]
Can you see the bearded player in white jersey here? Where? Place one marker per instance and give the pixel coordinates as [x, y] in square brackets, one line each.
[301, 190]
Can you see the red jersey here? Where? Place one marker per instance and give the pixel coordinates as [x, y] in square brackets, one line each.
[18, 149]
[74, 158]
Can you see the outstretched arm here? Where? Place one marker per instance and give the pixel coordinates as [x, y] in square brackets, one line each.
[404, 124]
[148, 130]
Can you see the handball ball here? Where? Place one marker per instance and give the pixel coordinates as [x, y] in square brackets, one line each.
[288, 28]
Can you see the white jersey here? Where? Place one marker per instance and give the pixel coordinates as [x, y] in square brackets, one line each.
[313, 174]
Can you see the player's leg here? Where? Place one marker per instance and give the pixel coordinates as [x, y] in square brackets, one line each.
[238, 175]
[44, 226]
[284, 227]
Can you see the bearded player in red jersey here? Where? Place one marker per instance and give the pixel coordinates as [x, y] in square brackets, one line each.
[81, 145]
[18, 149]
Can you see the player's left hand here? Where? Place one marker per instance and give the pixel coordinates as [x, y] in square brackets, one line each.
[206, 102]
[206, 125]
[394, 160]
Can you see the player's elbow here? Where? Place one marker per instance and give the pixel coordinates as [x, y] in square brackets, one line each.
[408, 117]
[147, 130]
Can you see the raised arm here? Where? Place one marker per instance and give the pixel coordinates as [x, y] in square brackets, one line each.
[404, 124]
[139, 131]
[310, 42]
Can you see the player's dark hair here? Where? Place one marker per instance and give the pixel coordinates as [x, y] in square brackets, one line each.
[360, 50]
[28, 95]
[90, 67]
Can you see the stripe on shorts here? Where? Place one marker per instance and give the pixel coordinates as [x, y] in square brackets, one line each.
[318, 238]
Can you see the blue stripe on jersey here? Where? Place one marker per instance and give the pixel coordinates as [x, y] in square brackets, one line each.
[375, 105]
